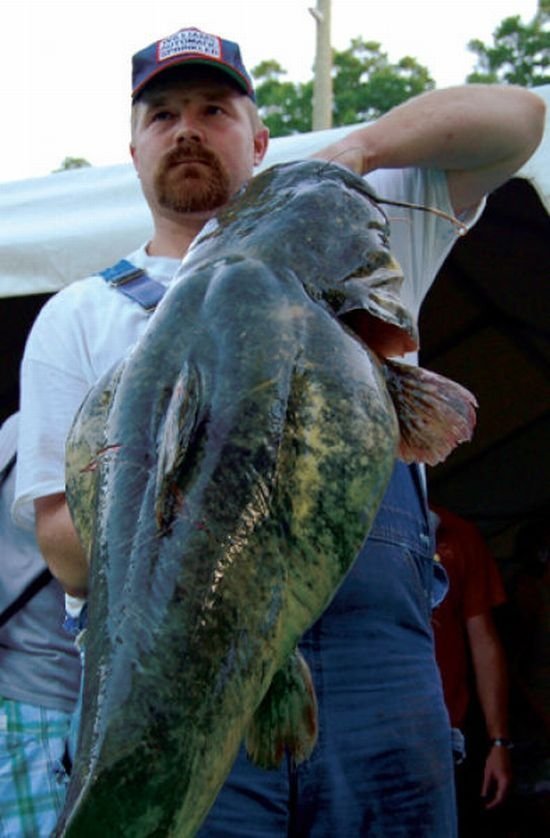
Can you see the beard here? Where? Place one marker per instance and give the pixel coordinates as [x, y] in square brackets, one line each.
[201, 184]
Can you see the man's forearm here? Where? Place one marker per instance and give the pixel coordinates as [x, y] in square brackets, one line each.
[455, 128]
[490, 672]
[492, 688]
[60, 545]
[486, 130]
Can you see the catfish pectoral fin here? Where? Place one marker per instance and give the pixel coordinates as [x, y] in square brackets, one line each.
[287, 717]
[435, 414]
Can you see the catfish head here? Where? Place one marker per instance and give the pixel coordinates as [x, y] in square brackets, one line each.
[324, 224]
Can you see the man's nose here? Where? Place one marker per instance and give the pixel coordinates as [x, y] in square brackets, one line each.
[188, 128]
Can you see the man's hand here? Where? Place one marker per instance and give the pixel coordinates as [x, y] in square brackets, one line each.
[497, 777]
[345, 153]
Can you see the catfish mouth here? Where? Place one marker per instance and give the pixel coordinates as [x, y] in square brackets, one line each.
[362, 287]
[385, 276]
[372, 308]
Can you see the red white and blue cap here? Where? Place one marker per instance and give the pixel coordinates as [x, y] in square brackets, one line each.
[189, 46]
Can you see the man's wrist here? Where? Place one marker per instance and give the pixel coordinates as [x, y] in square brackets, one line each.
[501, 742]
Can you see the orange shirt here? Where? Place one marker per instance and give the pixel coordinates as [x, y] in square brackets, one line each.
[475, 586]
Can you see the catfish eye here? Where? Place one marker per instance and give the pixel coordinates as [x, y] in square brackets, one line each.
[371, 261]
[381, 230]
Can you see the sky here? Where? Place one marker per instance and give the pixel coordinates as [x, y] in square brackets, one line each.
[65, 64]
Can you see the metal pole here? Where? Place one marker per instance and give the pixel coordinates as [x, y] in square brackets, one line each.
[322, 84]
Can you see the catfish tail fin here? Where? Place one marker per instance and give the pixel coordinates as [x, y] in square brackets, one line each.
[435, 414]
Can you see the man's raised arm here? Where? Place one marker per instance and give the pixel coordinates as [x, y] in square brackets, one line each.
[479, 134]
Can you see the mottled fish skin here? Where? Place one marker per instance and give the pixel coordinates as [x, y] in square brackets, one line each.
[236, 460]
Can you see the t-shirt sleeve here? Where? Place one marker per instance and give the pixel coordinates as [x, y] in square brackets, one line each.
[52, 389]
[420, 238]
[78, 336]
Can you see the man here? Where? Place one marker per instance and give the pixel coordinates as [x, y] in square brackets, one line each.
[39, 673]
[465, 631]
[382, 764]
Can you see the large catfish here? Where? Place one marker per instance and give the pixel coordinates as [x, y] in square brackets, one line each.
[223, 478]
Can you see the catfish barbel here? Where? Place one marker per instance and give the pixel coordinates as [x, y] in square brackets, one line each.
[223, 478]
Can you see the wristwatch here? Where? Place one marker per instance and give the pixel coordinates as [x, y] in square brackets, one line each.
[501, 742]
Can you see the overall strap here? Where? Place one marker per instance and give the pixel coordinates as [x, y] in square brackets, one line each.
[135, 283]
[34, 587]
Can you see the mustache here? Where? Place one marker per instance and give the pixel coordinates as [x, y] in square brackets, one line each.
[188, 150]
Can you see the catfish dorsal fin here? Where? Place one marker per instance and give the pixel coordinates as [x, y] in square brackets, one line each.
[435, 414]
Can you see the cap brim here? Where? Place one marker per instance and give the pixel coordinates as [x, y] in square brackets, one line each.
[224, 69]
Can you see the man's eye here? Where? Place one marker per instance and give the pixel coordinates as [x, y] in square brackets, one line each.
[161, 116]
[214, 110]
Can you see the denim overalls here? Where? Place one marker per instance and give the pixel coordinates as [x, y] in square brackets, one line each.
[382, 766]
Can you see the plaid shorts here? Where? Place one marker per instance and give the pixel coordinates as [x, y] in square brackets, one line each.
[32, 780]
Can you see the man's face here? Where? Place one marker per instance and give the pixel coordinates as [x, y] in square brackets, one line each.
[194, 144]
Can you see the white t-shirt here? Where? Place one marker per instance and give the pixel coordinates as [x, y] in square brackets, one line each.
[79, 334]
[89, 326]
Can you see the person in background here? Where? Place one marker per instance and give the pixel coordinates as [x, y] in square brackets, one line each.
[382, 765]
[39, 673]
[471, 657]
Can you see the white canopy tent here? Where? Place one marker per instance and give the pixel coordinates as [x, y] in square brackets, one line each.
[484, 323]
[61, 227]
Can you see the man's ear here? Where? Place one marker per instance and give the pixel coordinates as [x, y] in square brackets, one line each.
[261, 142]
[133, 155]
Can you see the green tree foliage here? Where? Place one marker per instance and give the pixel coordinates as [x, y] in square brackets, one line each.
[285, 107]
[72, 163]
[520, 53]
[365, 85]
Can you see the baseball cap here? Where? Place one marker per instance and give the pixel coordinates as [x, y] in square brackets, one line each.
[189, 46]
